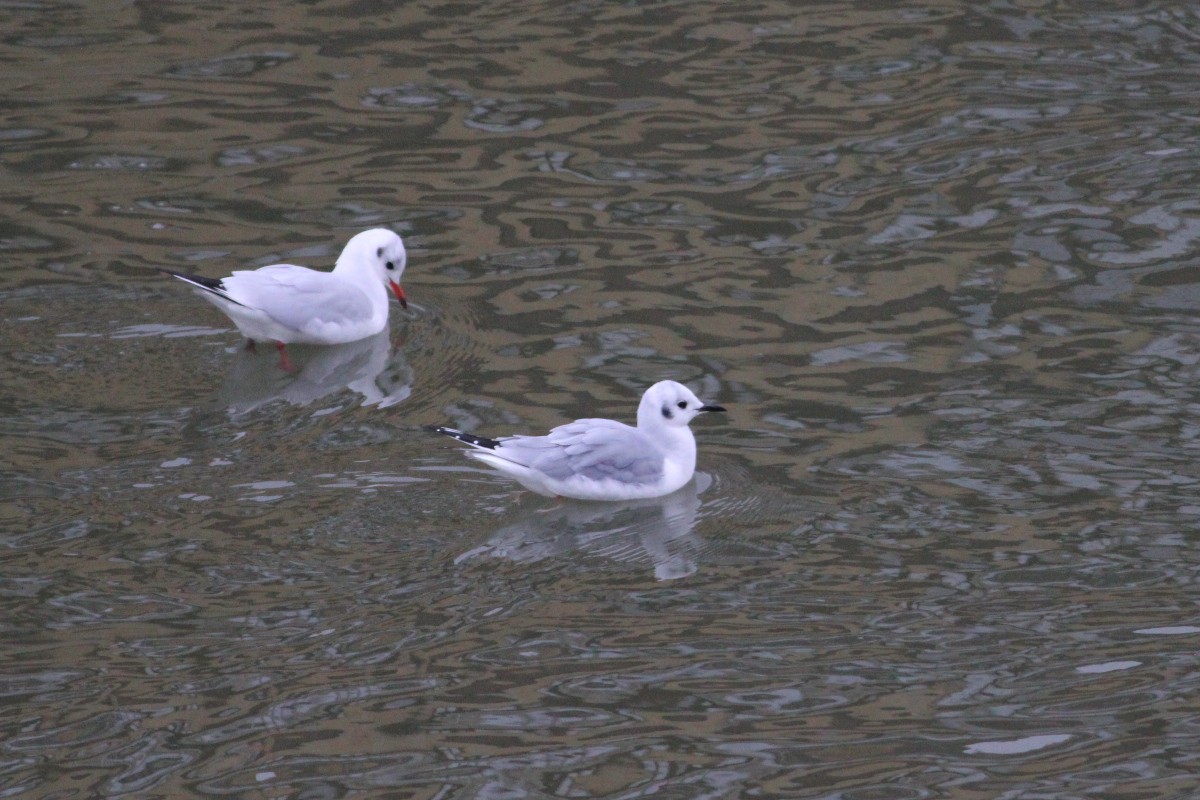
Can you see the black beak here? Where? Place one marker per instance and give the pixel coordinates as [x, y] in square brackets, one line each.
[711, 408]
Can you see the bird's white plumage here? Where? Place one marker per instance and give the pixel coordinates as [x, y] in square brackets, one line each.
[288, 304]
[601, 459]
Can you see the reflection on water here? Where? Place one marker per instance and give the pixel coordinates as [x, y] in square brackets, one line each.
[938, 262]
[659, 530]
[367, 367]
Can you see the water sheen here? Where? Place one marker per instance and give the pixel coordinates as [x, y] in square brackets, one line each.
[938, 261]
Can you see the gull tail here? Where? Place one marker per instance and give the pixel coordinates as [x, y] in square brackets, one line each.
[210, 285]
[467, 438]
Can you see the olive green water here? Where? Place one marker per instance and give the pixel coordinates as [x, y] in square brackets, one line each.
[938, 261]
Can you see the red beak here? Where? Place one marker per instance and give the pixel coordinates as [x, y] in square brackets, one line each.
[396, 290]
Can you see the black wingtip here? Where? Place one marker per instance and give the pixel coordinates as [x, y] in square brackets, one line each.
[212, 284]
[466, 438]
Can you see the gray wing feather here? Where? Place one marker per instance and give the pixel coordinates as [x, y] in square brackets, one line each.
[274, 290]
[591, 448]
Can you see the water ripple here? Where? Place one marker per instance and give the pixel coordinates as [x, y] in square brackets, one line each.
[935, 261]
[230, 66]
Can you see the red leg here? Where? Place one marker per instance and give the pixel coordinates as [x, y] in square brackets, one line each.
[285, 363]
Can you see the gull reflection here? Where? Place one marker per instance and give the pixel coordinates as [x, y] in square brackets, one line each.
[366, 366]
[657, 532]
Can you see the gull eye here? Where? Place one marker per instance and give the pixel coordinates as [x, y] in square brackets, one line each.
[390, 265]
[682, 404]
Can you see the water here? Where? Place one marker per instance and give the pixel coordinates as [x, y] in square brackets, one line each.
[937, 261]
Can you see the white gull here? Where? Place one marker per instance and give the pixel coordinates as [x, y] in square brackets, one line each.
[286, 304]
[601, 459]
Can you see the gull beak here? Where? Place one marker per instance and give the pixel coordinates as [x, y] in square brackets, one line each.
[711, 408]
[396, 290]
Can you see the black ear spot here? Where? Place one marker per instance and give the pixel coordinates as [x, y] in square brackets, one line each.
[667, 412]
[379, 253]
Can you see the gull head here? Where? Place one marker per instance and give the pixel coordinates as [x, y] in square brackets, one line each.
[671, 405]
[379, 252]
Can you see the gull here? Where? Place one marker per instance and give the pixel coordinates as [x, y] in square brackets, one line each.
[288, 304]
[601, 459]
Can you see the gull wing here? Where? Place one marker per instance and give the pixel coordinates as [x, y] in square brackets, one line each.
[595, 449]
[300, 298]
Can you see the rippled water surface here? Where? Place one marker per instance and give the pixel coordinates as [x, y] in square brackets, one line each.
[939, 261]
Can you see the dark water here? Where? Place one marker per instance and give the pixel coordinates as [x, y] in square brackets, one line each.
[938, 261]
